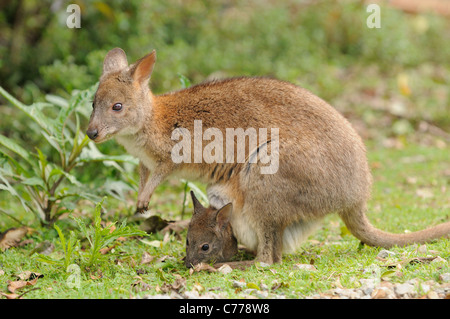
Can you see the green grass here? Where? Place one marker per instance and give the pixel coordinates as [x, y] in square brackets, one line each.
[338, 257]
[322, 46]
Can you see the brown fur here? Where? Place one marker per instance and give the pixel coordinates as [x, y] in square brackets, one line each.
[210, 227]
[322, 161]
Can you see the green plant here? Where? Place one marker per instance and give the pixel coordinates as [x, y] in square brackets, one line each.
[100, 237]
[44, 181]
[69, 248]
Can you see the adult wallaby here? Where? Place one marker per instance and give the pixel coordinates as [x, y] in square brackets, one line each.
[321, 165]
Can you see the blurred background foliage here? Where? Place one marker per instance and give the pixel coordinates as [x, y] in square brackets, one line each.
[311, 43]
[391, 81]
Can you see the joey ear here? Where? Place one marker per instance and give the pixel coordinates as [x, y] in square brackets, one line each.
[197, 205]
[223, 215]
[143, 68]
[115, 60]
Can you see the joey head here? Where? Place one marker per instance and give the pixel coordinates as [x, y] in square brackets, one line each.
[210, 238]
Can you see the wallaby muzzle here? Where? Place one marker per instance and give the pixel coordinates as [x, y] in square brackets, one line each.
[92, 134]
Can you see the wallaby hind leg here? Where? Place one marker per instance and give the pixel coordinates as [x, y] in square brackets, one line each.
[270, 244]
[243, 264]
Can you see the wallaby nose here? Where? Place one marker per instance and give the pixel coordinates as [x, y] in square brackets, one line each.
[189, 264]
[92, 134]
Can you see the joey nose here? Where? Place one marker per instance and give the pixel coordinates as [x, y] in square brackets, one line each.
[92, 134]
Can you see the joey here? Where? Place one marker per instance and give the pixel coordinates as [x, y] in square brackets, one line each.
[210, 238]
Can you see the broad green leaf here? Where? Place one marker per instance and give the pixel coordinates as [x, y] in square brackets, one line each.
[16, 148]
[50, 260]
[81, 101]
[19, 169]
[185, 83]
[252, 285]
[92, 154]
[61, 237]
[34, 181]
[116, 188]
[75, 150]
[70, 177]
[153, 243]
[198, 192]
[53, 141]
[7, 186]
[57, 100]
[388, 273]
[42, 164]
[34, 111]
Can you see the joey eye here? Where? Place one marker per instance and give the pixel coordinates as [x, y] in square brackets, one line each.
[205, 247]
[117, 107]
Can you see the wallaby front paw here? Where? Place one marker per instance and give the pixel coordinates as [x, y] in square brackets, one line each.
[141, 207]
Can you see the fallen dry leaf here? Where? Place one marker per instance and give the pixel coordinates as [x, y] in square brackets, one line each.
[202, 267]
[29, 275]
[97, 276]
[153, 224]
[27, 278]
[14, 285]
[198, 288]
[403, 85]
[277, 285]
[307, 267]
[225, 269]
[178, 285]
[10, 296]
[112, 227]
[379, 294]
[176, 228]
[12, 237]
[163, 259]
[414, 260]
[146, 258]
[166, 238]
[424, 193]
[140, 285]
[45, 248]
[106, 250]
[18, 284]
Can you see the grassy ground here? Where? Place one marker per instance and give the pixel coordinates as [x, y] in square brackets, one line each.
[392, 83]
[410, 192]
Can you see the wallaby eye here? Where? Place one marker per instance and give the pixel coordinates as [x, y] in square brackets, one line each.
[117, 107]
[187, 242]
[205, 247]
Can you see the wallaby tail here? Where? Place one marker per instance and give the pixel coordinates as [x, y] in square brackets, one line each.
[358, 224]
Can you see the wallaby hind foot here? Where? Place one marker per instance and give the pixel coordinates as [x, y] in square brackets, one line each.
[243, 264]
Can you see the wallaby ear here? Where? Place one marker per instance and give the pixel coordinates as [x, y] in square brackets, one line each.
[223, 215]
[197, 205]
[143, 68]
[115, 60]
